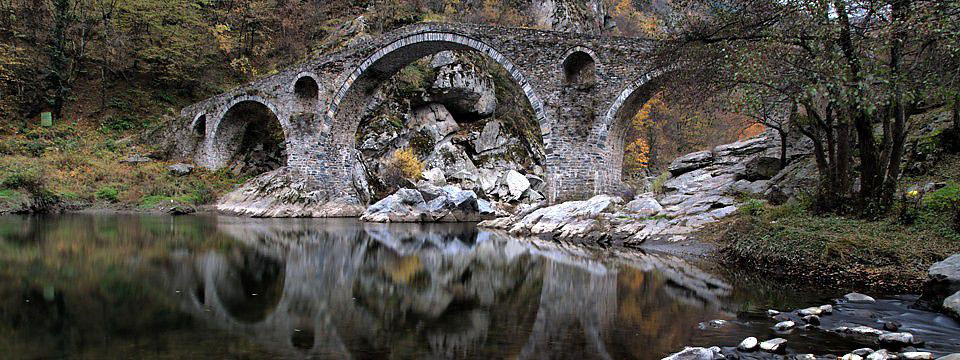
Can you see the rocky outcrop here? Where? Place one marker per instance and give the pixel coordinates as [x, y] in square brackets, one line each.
[588, 17]
[463, 89]
[285, 192]
[702, 190]
[429, 203]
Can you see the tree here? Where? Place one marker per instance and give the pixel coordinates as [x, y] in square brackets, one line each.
[857, 70]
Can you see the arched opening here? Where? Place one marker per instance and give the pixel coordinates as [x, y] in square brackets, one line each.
[579, 70]
[306, 89]
[251, 287]
[200, 125]
[625, 144]
[250, 139]
[459, 109]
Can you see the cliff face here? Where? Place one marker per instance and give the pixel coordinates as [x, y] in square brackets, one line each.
[587, 17]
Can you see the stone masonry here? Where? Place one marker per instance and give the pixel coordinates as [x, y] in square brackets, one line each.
[583, 89]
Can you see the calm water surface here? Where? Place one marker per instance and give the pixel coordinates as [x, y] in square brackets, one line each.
[93, 287]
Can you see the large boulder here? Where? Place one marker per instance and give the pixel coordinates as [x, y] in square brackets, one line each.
[464, 90]
[691, 162]
[645, 206]
[490, 138]
[433, 120]
[943, 281]
[569, 220]
[514, 185]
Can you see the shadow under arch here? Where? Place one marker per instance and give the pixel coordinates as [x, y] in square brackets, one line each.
[615, 121]
[234, 124]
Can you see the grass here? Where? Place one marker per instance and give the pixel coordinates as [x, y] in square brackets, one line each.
[788, 241]
[84, 165]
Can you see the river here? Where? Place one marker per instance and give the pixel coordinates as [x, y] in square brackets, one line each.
[138, 286]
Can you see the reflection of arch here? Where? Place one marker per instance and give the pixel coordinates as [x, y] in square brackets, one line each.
[306, 87]
[253, 289]
[579, 67]
[390, 59]
[228, 132]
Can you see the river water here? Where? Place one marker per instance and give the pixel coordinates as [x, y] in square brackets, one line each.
[85, 286]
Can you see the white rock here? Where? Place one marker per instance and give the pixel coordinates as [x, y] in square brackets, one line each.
[916, 355]
[805, 357]
[748, 344]
[645, 206]
[851, 357]
[896, 339]
[772, 312]
[858, 298]
[435, 177]
[826, 309]
[773, 345]
[784, 325]
[811, 311]
[881, 354]
[695, 353]
[859, 330]
[516, 183]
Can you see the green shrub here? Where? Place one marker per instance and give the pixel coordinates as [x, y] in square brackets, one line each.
[943, 200]
[657, 185]
[108, 194]
[753, 207]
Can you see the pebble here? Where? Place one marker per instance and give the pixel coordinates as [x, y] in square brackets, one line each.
[862, 351]
[805, 357]
[772, 312]
[858, 297]
[812, 319]
[784, 325]
[773, 345]
[826, 309]
[748, 344]
[916, 355]
[851, 357]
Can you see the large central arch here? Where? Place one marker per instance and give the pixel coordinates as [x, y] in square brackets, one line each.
[355, 95]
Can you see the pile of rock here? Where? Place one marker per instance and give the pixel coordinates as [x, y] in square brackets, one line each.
[430, 203]
[453, 130]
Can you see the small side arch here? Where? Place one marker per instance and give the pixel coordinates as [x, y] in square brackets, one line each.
[579, 67]
[228, 132]
[305, 87]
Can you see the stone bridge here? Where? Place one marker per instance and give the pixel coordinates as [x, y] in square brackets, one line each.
[582, 88]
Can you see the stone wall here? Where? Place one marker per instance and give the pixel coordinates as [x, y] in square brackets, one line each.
[575, 118]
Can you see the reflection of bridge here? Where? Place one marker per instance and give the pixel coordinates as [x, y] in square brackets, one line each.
[582, 88]
[304, 290]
